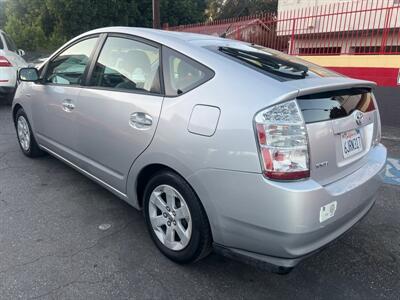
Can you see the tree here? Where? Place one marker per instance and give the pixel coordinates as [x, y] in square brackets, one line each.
[72, 17]
[47, 24]
[24, 24]
[223, 9]
[178, 12]
[2, 13]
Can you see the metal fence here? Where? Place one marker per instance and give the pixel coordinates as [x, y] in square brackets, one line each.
[346, 27]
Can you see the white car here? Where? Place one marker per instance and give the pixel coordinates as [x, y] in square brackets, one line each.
[10, 61]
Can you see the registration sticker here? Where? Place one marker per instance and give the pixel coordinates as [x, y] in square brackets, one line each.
[327, 211]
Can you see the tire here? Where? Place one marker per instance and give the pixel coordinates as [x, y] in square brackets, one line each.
[191, 234]
[26, 140]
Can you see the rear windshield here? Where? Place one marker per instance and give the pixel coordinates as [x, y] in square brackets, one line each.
[273, 63]
[335, 104]
[10, 43]
[1, 42]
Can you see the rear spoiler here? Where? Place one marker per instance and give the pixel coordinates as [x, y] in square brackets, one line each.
[320, 85]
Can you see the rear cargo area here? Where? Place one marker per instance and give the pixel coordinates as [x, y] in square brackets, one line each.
[342, 126]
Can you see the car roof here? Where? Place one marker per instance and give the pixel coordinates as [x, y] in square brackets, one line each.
[173, 39]
[151, 33]
[190, 44]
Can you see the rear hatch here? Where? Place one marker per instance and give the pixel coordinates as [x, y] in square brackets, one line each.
[342, 125]
[340, 113]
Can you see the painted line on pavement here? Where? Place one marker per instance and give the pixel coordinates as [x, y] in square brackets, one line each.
[392, 172]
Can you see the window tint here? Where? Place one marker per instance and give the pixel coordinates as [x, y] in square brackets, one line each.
[183, 74]
[125, 64]
[69, 66]
[1, 43]
[10, 43]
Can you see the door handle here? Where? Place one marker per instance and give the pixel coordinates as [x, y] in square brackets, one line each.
[68, 106]
[140, 120]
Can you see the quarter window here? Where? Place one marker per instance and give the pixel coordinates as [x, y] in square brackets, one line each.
[68, 68]
[183, 74]
[126, 64]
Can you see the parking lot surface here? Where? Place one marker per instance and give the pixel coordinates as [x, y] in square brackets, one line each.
[64, 237]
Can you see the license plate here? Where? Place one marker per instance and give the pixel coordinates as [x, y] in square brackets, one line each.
[351, 143]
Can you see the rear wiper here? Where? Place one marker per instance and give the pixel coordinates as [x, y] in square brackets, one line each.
[274, 64]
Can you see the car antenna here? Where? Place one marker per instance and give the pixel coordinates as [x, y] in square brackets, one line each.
[224, 34]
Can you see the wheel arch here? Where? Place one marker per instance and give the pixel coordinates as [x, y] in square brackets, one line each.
[145, 174]
[145, 167]
[151, 162]
[15, 109]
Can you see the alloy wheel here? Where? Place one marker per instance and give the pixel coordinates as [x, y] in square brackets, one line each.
[24, 135]
[170, 217]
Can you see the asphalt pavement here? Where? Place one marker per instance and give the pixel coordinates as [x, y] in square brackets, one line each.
[64, 237]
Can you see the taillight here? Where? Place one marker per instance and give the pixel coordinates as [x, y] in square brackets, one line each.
[4, 62]
[283, 142]
[378, 125]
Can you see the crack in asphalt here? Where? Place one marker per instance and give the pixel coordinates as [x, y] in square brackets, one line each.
[123, 227]
[102, 280]
[56, 289]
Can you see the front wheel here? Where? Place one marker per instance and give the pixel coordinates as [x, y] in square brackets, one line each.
[176, 219]
[25, 136]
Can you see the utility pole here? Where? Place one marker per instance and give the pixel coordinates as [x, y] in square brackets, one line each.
[156, 14]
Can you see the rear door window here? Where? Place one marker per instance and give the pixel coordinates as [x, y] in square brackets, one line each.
[182, 74]
[127, 64]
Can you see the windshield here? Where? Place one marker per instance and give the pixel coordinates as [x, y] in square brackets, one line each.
[278, 65]
[268, 62]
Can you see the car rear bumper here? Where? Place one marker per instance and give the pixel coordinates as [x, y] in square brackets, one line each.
[8, 79]
[6, 90]
[280, 222]
[270, 262]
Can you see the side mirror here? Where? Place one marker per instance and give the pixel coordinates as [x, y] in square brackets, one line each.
[21, 52]
[28, 74]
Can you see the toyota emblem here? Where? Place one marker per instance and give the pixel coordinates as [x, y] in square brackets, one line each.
[359, 117]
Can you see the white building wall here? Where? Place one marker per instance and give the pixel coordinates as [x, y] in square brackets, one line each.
[345, 45]
[327, 16]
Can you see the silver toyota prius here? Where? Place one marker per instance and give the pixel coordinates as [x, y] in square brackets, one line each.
[224, 145]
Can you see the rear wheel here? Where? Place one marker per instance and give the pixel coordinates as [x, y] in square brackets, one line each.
[176, 219]
[26, 139]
